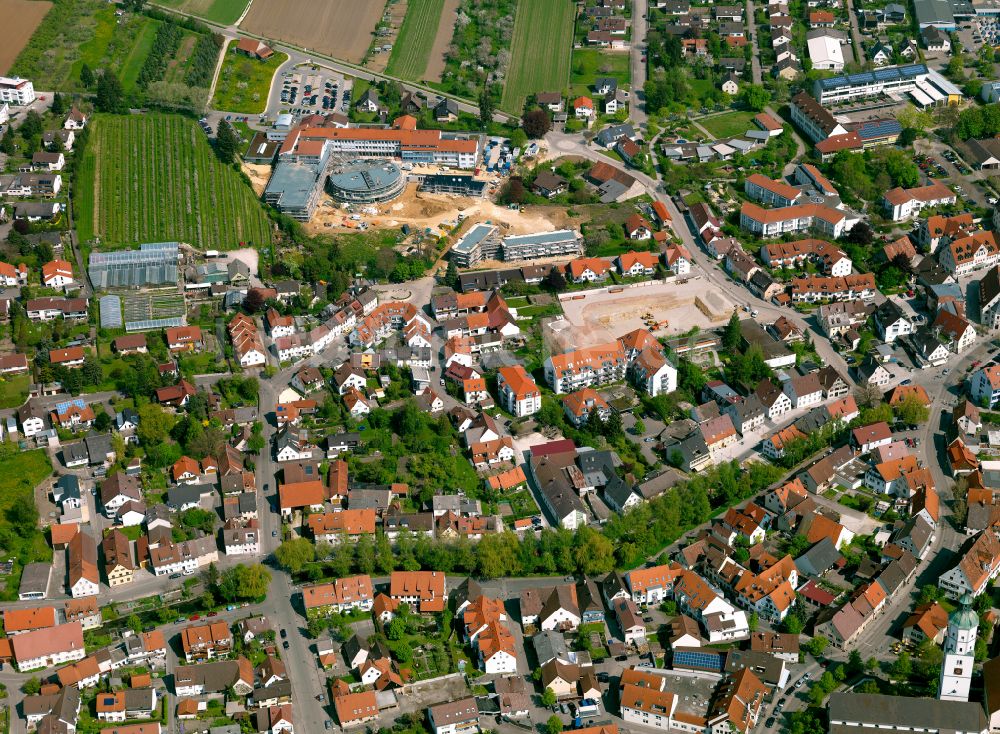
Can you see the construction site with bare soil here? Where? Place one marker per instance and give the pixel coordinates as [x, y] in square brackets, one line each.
[438, 213]
[666, 308]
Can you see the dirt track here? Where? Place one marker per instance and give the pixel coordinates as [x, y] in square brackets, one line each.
[442, 41]
[20, 18]
[340, 28]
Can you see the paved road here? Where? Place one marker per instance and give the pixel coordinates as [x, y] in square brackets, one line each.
[859, 49]
[637, 109]
[755, 70]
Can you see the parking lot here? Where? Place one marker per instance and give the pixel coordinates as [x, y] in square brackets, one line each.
[981, 31]
[307, 91]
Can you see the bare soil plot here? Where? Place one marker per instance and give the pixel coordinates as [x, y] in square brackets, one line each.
[339, 28]
[442, 41]
[601, 317]
[21, 18]
[421, 210]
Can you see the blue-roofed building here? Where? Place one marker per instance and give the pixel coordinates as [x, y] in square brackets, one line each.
[878, 132]
[703, 659]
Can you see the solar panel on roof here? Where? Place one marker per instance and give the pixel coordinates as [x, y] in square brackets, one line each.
[64, 406]
[693, 659]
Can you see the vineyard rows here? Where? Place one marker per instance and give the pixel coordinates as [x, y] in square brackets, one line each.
[155, 178]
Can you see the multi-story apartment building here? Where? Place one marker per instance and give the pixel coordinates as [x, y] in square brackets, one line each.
[586, 367]
[518, 392]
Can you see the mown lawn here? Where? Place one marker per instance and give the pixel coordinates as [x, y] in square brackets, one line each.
[729, 124]
[14, 390]
[589, 63]
[137, 56]
[244, 83]
[154, 178]
[413, 46]
[540, 50]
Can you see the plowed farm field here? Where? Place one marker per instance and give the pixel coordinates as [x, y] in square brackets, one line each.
[21, 18]
[339, 28]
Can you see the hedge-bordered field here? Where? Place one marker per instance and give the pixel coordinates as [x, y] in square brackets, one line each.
[154, 178]
[540, 50]
[412, 47]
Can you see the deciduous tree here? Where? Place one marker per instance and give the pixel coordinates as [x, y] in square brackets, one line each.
[293, 555]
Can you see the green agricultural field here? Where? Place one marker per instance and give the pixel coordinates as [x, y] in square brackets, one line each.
[729, 124]
[217, 11]
[540, 50]
[416, 38]
[155, 178]
[129, 71]
[244, 83]
[590, 63]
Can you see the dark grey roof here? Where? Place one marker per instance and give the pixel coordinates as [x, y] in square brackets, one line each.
[98, 446]
[813, 420]
[69, 484]
[868, 367]
[74, 452]
[617, 490]
[818, 559]
[35, 578]
[692, 448]
[918, 530]
[365, 499]
[899, 712]
[548, 645]
[184, 494]
[888, 313]
[594, 463]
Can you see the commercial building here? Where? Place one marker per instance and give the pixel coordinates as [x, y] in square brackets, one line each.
[825, 52]
[366, 181]
[434, 147]
[855, 712]
[926, 86]
[295, 188]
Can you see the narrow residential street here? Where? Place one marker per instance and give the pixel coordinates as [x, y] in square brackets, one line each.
[637, 108]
